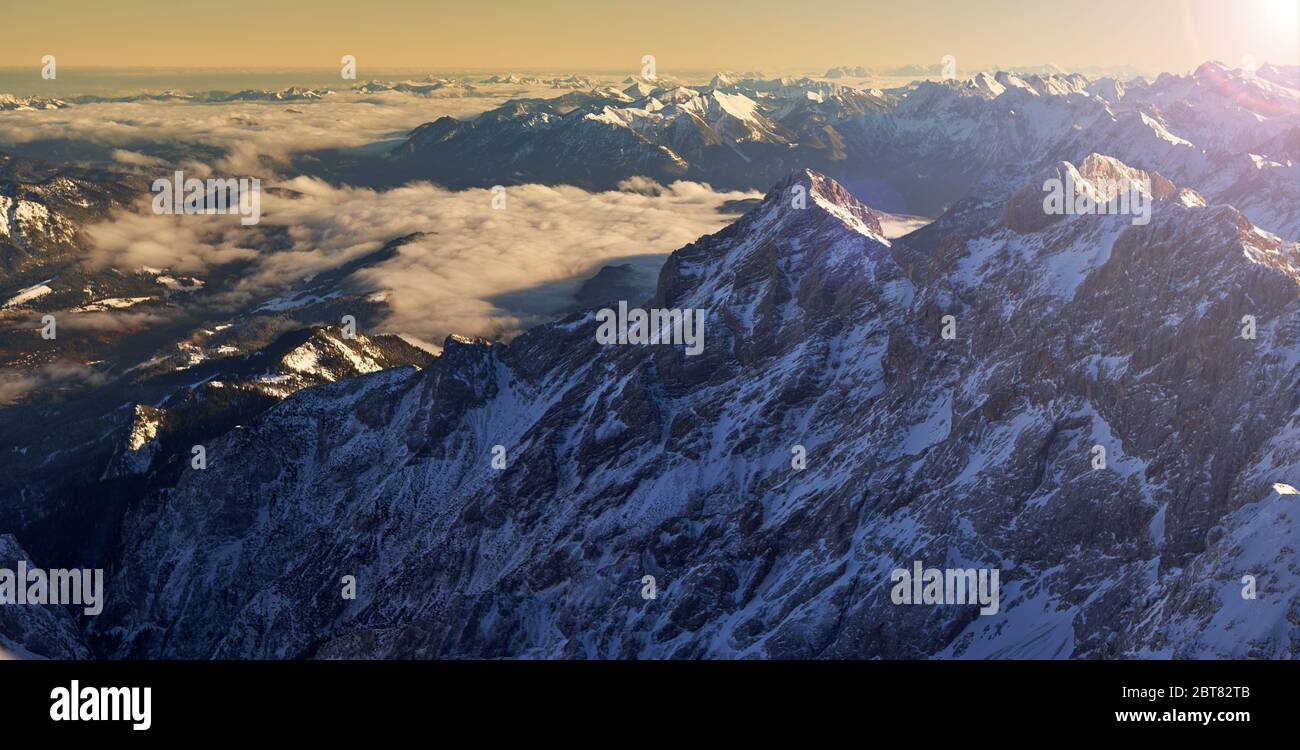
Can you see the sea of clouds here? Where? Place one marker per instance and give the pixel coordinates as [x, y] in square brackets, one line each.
[476, 270]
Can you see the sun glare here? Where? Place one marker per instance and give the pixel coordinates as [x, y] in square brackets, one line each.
[1285, 14]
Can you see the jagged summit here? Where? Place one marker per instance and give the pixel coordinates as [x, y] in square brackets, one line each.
[806, 189]
[810, 247]
[1102, 178]
[1211, 69]
[1102, 174]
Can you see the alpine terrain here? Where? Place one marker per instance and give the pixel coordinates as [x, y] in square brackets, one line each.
[510, 500]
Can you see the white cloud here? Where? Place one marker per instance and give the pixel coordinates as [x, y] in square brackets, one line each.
[131, 157]
[15, 385]
[537, 249]
[237, 138]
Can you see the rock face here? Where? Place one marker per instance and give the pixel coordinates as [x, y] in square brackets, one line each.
[139, 445]
[68, 469]
[239, 388]
[35, 631]
[825, 341]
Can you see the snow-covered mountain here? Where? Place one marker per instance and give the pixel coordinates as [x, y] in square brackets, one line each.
[42, 208]
[514, 80]
[10, 102]
[154, 363]
[331, 456]
[211, 398]
[133, 434]
[136, 322]
[1230, 134]
[431, 87]
[822, 335]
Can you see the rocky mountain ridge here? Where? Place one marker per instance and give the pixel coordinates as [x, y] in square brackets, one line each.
[825, 337]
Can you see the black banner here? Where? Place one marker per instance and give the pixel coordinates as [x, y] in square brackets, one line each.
[236, 700]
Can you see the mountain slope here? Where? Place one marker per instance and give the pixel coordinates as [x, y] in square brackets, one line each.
[820, 335]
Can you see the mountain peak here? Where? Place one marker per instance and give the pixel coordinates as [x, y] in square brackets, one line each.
[809, 189]
[808, 230]
[1101, 177]
[1211, 69]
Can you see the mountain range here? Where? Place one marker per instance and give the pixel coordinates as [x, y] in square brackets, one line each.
[873, 391]
[629, 461]
[1230, 134]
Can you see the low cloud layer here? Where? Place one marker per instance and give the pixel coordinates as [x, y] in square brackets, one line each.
[477, 271]
[14, 385]
[457, 277]
[234, 138]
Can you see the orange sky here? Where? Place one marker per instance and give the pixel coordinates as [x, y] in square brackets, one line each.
[1172, 35]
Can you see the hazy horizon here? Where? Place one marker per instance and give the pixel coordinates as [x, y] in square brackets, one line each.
[124, 80]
